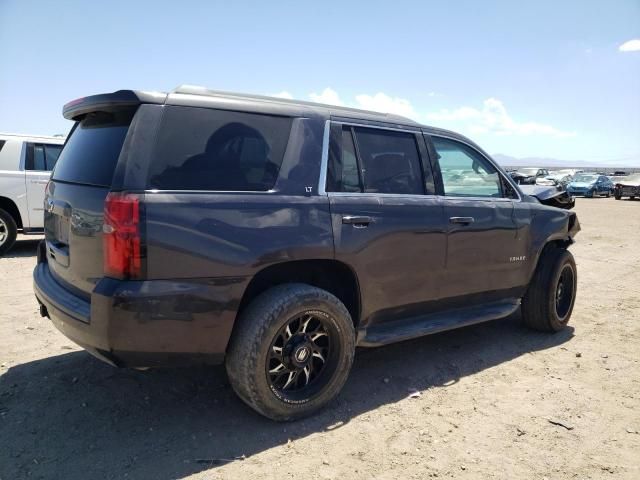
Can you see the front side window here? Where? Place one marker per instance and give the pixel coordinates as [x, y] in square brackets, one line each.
[465, 173]
[390, 161]
[206, 149]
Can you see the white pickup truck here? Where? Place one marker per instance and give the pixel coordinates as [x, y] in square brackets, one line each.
[25, 166]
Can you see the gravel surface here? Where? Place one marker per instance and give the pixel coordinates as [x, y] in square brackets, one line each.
[488, 401]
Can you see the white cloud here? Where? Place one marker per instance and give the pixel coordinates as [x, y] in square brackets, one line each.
[381, 102]
[283, 94]
[328, 96]
[630, 46]
[493, 118]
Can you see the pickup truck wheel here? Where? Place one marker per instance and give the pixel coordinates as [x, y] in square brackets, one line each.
[8, 232]
[291, 351]
[549, 300]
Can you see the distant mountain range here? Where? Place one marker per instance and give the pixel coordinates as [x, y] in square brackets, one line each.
[508, 161]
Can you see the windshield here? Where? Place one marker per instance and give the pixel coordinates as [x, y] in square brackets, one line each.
[528, 171]
[585, 178]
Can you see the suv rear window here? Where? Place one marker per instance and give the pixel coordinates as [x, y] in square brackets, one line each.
[91, 152]
[206, 149]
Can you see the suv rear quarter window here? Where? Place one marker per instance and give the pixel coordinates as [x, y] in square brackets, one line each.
[206, 149]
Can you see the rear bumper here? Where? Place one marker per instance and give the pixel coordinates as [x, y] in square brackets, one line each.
[144, 323]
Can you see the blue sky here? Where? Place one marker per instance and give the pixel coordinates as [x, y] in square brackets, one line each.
[544, 78]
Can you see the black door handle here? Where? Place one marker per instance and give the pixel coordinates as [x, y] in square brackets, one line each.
[357, 220]
[462, 220]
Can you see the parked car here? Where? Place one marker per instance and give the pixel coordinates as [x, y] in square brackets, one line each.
[627, 187]
[590, 184]
[528, 176]
[276, 236]
[25, 166]
[560, 179]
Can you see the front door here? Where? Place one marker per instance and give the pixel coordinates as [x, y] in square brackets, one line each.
[486, 252]
[388, 224]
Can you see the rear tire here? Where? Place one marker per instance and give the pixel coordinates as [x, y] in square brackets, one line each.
[549, 301]
[291, 351]
[8, 232]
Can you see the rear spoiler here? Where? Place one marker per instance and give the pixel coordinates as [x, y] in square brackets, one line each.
[110, 101]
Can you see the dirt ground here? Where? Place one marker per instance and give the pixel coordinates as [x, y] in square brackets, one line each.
[493, 400]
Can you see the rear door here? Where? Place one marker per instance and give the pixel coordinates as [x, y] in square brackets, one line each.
[40, 160]
[75, 198]
[387, 223]
[486, 251]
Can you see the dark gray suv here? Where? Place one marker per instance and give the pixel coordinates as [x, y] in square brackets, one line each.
[275, 236]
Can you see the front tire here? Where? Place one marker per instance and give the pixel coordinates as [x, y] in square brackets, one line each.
[291, 351]
[549, 301]
[8, 232]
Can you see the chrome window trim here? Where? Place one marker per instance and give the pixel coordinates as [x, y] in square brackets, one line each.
[417, 130]
[386, 195]
[324, 161]
[491, 162]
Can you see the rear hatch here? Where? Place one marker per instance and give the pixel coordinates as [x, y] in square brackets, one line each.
[75, 196]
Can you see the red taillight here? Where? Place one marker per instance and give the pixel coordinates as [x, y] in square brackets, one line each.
[121, 236]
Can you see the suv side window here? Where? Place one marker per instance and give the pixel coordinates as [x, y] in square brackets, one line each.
[51, 154]
[219, 150]
[342, 171]
[465, 173]
[38, 158]
[390, 161]
[42, 157]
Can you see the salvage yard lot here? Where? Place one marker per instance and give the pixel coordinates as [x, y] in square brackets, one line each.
[488, 401]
